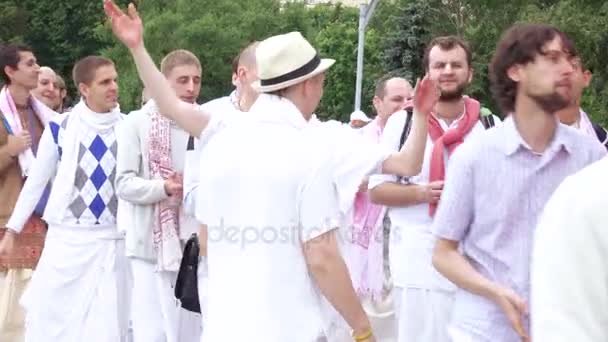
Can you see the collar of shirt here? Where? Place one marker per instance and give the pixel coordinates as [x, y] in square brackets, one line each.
[514, 142]
[272, 108]
[234, 99]
[444, 124]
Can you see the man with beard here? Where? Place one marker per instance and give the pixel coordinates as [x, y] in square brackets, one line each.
[499, 182]
[411, 202]
[574, 115]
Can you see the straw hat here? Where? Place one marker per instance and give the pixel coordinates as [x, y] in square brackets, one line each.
[285, 60]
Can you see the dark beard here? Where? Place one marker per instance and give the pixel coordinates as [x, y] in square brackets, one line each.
[551, 103]
[456, 94]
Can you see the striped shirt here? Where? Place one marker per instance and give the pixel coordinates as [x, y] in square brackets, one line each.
[496, 188]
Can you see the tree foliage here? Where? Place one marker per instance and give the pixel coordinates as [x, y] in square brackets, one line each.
[61, 32]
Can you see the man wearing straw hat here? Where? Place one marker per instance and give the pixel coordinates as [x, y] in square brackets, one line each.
[271, 190]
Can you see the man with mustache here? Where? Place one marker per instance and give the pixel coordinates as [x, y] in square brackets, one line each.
[298, 177]
[423, 298]
[498, 183]
[574, 115]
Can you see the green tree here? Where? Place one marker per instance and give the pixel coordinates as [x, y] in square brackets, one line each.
[214, 30]
[14, 22]
[404, 46]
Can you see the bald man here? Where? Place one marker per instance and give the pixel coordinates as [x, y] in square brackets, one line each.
[365, 252]
[47, 92]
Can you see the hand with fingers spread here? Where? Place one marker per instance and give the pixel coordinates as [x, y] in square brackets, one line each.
[126, 27]
[426, 95]
[515, 309]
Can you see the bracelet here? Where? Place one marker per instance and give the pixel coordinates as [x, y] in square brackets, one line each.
[366, 335]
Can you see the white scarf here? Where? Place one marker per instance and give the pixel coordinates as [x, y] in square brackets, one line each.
[81, 118]
[166, 224]
[8, 109]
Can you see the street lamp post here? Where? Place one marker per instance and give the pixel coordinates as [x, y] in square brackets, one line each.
[365, 13]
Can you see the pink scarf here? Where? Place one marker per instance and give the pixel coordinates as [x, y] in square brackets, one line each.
[9, 110]
[366, 258]
[166, 217]
[449, 140]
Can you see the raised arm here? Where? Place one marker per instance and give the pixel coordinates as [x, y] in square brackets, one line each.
[128, 28]
[408, 161]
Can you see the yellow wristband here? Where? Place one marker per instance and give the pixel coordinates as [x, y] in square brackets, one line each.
[366, 335]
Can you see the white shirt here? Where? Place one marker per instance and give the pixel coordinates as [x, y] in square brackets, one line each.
[411, 240]
[135, 185]
[276, 182]
[569, 299]
[220, 106]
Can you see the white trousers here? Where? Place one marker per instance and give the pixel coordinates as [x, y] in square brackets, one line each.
[156, 314]
[424, 315]
[80, 288]
[203, 288]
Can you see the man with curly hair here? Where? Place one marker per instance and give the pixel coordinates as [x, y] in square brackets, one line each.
[499, 182]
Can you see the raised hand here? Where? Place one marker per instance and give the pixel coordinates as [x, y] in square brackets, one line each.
[128, 28]
[426, 95]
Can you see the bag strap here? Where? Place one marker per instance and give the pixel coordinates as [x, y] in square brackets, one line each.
[406, 127]
[486, 117]
[190, 146]
[601, 134]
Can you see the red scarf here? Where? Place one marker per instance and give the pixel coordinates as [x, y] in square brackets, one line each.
[450, 140]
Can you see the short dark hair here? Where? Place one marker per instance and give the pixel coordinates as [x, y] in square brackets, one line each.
[447, 43]
[84, 69]
[520, 44]
[9, 56]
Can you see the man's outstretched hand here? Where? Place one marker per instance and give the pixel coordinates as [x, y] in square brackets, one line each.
[128, 28]
[426, 95]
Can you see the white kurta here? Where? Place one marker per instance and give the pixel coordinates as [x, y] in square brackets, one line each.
[80, 289]
[424, 297]
[156, 315]
[569, 300]
[252, 199]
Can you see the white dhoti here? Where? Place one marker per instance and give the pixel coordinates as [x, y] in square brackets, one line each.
[80, 289]
[424, 315]
[156, 314]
